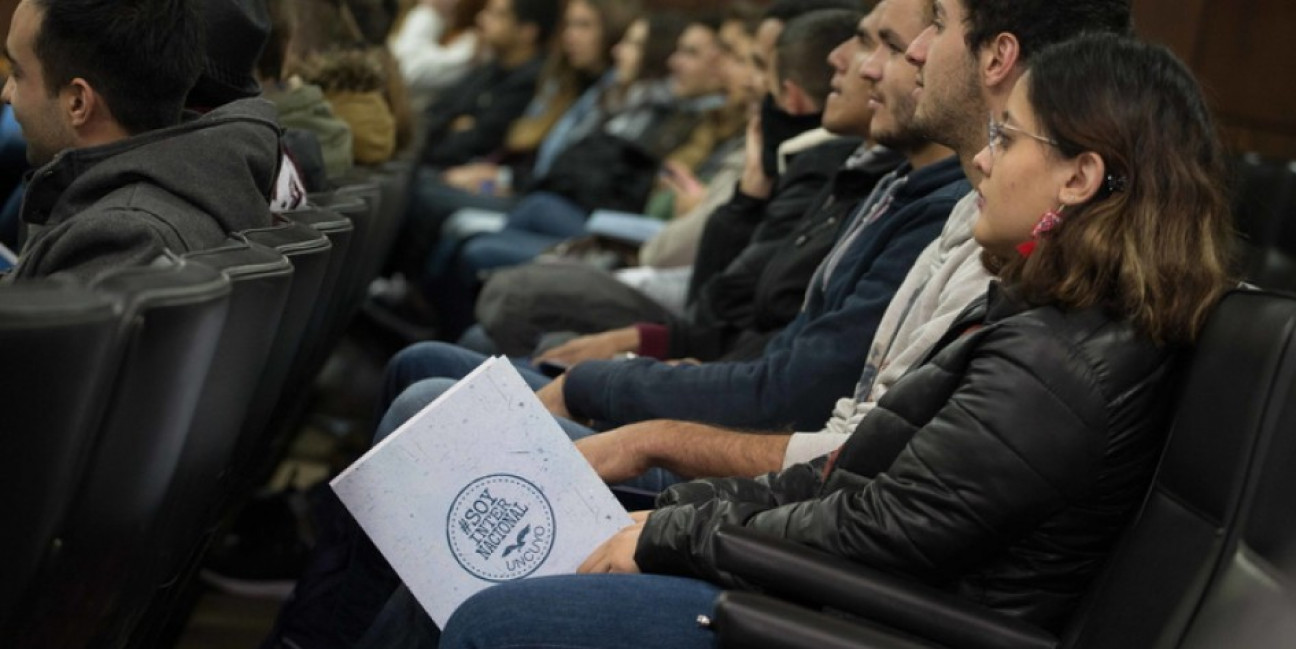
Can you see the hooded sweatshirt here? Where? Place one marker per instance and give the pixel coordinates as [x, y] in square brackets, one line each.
[181, 188]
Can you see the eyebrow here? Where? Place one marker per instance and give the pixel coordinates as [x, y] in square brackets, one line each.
[863, 36]
[892, 39]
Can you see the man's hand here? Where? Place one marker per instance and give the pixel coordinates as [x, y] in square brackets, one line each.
[619, 454]
[616, 554]
[601, 346]
[552, 397]
[470, 177]
[754, 182]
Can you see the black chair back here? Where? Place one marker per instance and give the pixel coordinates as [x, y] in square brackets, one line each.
[1241, 370]
[260, 279]
[313, 256]
[1252, 599]
[59, 351]
[94, 582]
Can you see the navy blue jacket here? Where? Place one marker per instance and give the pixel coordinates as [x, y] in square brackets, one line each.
[813, 362]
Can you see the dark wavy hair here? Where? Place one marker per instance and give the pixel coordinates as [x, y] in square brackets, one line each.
[1153, 245]
[1040, 23]
[142, 56]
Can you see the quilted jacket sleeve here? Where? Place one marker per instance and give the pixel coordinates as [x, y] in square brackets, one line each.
[956, 484]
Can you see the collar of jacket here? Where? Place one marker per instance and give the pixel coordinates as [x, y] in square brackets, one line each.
[998, 303]
[47, 185]
[930, 178]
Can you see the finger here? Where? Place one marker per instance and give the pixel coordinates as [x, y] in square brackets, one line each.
[594, 562]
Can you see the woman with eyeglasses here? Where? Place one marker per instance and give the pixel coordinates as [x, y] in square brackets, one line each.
[1004, 467]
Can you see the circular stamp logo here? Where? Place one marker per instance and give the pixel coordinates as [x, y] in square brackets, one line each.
[500, 527]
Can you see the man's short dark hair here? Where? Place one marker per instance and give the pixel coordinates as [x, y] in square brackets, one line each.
[544, 14]
[1040, 23]
[141, 56]
[785, 10]
[804, 45]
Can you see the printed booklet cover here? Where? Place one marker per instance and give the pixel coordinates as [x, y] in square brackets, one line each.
[481, 487]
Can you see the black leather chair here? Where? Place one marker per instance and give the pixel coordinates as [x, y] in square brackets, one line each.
[315, 257]
[93, 581]
[1264, 209]
[59, 352]
[1252, 598]
[260, 279]
[365, 257]
[345, 228]
[1188, 561]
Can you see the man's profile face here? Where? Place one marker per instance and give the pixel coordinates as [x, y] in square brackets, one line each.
[694, 65]
[949, 94]
[847, 112]
[894, 77]
[40, 114]
[496, 23]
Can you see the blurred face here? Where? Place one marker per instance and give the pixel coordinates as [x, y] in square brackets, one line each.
[496, 24]
[1023, 177]
[847, 112]
[582, 37]
[894, 78]
[696, 63]
[740, 77]
[628, 52]
[44, 124]
[763, 60]
[949, 94]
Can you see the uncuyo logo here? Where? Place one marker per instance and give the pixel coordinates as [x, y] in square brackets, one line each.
[500, 527]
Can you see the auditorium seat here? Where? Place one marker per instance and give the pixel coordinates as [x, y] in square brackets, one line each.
[1208, 549]
[91, 584]
[315, 253]
[260, 279]
[58, 354]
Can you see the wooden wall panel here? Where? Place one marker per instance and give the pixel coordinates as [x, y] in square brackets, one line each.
[1244, 54]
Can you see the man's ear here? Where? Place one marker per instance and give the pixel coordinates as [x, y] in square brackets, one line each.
[796, 101]
[81, 103]
[1088, 172]
[999, 59]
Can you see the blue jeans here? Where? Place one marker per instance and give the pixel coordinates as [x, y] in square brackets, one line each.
[561, 612]
[422, 372]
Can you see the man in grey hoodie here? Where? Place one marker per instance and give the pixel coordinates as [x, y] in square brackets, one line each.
[121, 176]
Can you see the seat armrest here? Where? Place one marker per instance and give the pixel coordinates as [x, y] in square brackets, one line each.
[818, 579]
[753, 621]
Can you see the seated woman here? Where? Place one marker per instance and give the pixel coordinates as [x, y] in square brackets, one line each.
[435, 46]
[1004, 468]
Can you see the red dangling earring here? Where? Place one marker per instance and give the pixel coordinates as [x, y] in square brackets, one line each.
[1050, 220]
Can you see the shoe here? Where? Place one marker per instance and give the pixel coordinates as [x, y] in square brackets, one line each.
[265, 550]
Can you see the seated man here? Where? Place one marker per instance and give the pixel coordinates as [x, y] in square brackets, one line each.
[758, 251]
[122, 178]
[793, 167]
[817, 357]
[472, 117]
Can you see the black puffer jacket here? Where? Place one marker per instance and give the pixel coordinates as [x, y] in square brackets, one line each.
[1001, 469]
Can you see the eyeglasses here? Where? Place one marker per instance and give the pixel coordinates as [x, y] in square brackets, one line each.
[996, 129]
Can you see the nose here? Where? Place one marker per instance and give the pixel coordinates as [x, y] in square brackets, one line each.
[871, 67]
[917, 51]
[984, 161]
[837, 57]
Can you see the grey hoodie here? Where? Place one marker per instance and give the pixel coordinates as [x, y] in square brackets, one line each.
[181, 188]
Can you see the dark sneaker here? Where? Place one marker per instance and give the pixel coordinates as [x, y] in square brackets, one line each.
[265, 550]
